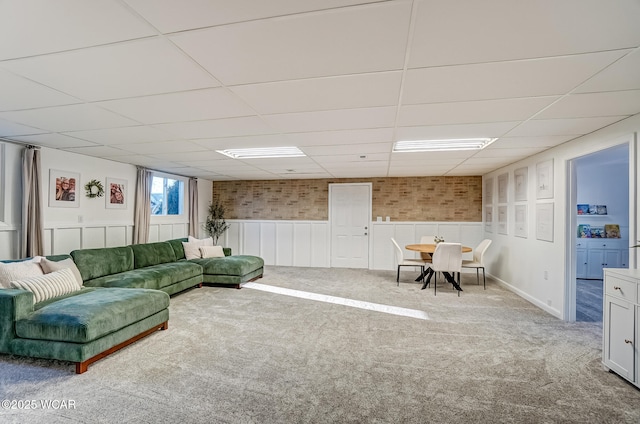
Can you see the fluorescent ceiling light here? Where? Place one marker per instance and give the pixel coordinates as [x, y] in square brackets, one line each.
[263, 152]
[442, 145]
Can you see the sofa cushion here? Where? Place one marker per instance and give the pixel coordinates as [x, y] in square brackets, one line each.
[51, 266]
[50, 285]
[238, 265]
[19, 270]
[150, 254]
[151, 277]
[89, 316]
[95, 263]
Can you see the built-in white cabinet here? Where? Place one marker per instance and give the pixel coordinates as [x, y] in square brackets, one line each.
[592, 255]
[621, 323]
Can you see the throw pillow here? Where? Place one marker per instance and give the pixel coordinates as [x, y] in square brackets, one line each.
[49, 266]
[50, 285]
[211, 252]
[192, 247]
[18, 270]
[203, 242]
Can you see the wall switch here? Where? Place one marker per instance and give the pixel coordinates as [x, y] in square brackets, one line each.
[546, 275]
[80, 219]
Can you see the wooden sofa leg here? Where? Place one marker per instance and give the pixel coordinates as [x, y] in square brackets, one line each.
[200, 285]
[84, 366]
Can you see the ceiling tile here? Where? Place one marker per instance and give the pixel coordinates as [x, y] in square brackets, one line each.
[68, 118]
[622, 75]
[53, 140]
[492, 129]
[219, 127]
[333, 119]
[516, 153]
[186, 156]
[343, 92]
[594, 104]
[370, 38]
[9, 128]
[194, 105]
[486, 81]
[472, 112]
[574, 126]
[102, 151]
[342, 138]
[179, 15]
[137, 134]
[43, 26]
[116, 71]
[348, 149]
[270, 140]
[543, 141]
[350, 159]
[497, 30]
[160, 147]
[20, 93]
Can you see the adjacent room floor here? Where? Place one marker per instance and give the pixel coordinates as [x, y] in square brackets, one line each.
[589, 295]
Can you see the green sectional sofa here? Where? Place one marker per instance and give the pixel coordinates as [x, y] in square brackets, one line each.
[79, 327]
[124, 296]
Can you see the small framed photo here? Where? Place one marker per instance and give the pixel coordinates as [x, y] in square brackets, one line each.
[503, 184]
[63, 187]
[116, 197]
[544, 179]
[520, 177]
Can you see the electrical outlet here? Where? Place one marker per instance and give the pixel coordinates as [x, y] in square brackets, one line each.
[549, 302]
[80, 219]
[546, 275]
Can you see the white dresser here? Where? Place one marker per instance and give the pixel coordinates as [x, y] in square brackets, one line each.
[621, 323]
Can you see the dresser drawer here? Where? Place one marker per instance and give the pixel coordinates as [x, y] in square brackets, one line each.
[620, 288]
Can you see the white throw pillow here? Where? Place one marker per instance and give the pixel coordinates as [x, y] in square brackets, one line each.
[49, 266]
[211, 252]
[19, 270]
[50, 285]
[192, 247]
[203, 242]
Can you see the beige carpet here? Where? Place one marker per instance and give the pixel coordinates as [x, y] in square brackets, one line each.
[252, 356]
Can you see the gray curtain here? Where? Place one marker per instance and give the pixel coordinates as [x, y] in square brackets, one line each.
[142, 210]
[32, 221]
[193, 207]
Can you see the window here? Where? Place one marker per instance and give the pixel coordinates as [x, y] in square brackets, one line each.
[167, 196]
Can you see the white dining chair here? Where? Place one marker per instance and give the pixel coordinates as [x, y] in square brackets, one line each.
[478, 261]
[406, 262]
[447, 258]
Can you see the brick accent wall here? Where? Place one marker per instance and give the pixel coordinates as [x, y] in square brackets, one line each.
[403, 199]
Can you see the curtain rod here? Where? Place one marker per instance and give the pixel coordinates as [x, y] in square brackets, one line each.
[19, 143]
[165, 172]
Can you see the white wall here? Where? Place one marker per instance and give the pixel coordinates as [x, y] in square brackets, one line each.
[522, 263]
[91, 224]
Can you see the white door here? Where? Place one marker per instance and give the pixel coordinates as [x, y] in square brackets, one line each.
[350, 219]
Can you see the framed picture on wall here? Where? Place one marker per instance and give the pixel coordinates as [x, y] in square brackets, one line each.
[63, 187]
[488, 218]
[521, 227]
[503, 185]
[116, 197]
[520, 177]
[503, 220]
[544, 179]
[488, 191]
[544, 221]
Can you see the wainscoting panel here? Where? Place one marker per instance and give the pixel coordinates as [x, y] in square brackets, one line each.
[302, 243]
[307, 243]
[284, 244]
[9, 242]
[165, 232]
[268, 242]
[93, 237]
[117, 236]
[66, 239]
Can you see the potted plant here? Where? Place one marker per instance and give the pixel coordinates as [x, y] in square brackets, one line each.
[215, 225]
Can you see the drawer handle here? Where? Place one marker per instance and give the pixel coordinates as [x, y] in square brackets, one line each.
[616, 288]
[627, 341]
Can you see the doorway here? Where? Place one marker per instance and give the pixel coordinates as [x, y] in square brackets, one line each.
[600, 225]
[350, 222]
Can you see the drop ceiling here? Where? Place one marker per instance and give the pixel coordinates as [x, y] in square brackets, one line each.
[166, 83]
